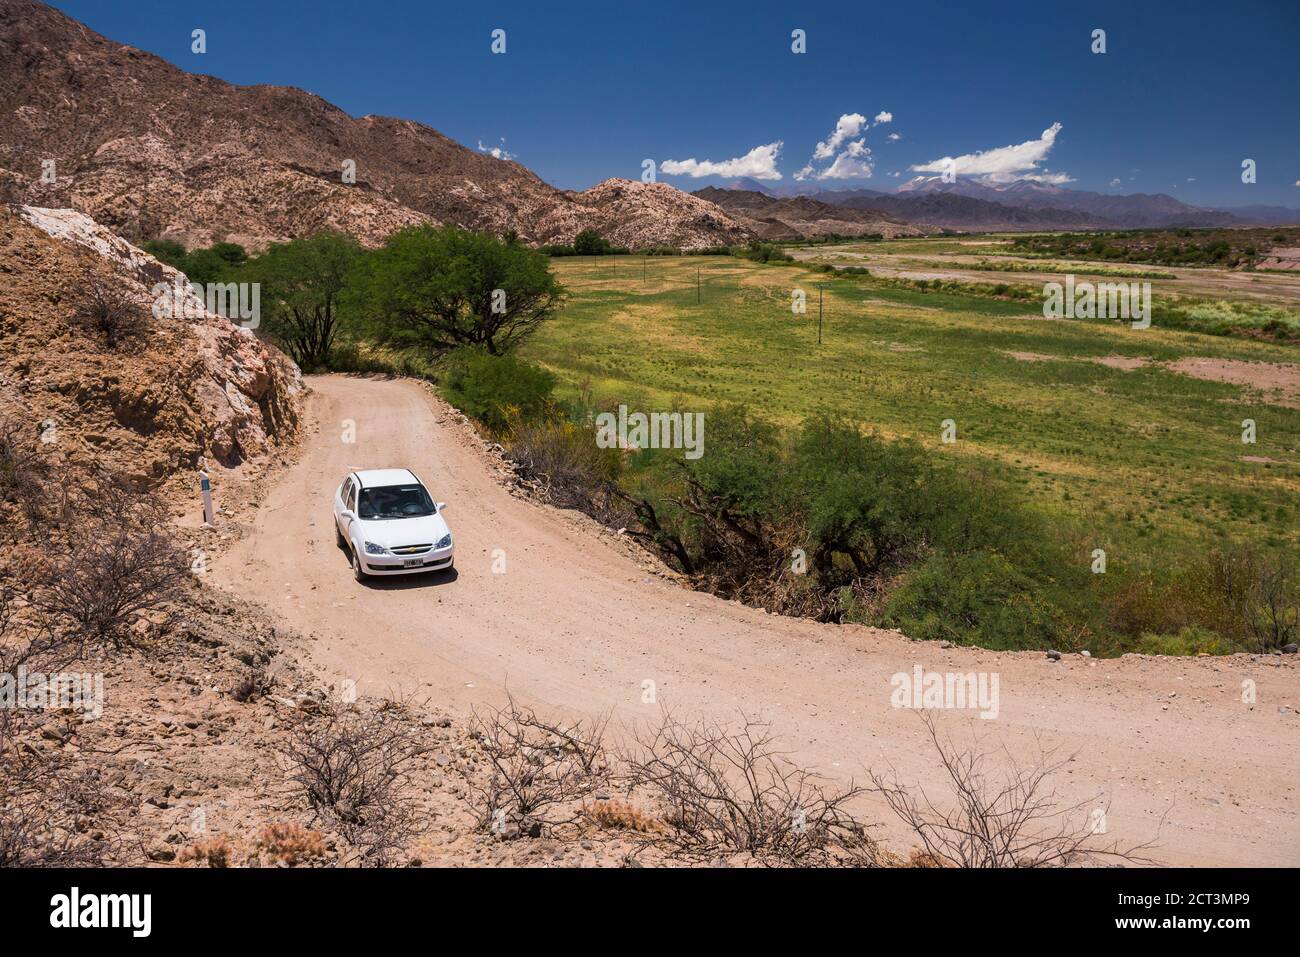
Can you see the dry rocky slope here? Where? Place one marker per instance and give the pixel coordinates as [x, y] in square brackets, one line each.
[150, 150]
[186, 392]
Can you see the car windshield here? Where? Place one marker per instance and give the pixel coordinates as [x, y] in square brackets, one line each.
[395, 501]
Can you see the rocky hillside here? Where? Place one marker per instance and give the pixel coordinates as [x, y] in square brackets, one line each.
[150, 150]
[803, 217]
[153, 405]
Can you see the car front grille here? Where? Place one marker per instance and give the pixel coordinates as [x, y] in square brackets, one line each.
[411, 549]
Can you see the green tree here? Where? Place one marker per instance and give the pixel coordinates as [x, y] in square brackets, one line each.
[590, 243]
[439, 288]
[302, 285]
[167, 251]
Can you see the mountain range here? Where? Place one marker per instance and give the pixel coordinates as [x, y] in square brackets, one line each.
[966, 204]
[150, 151]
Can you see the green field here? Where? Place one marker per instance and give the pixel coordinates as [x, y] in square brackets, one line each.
[1147, 454]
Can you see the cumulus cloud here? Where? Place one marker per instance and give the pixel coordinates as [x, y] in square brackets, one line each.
[758, 163]
[893, 137]
[848, 127]
[1005, 163]
[846, 149]
[1116, 181]
[853, 163]
[499, 152]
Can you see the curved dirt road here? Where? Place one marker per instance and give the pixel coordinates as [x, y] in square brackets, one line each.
[576, 624]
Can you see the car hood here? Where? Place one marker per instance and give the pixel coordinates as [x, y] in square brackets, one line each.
[400, 532]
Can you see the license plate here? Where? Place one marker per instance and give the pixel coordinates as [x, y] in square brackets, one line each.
[413, 562]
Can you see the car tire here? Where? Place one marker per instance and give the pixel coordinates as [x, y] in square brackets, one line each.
[358, 572]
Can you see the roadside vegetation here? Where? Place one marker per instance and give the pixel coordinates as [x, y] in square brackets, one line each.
[825, 490]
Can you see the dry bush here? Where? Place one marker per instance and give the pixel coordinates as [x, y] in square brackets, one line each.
[563, 465]
[256, 684]
[616, 815]
[122, 562]
[288, 845]
[52, 812]
[730, 790]
[278, 845]
[218, 851]
[353, 767]
[1013, 820]
[22, 471]
[105, 310]
[48, 808]
[540, 770]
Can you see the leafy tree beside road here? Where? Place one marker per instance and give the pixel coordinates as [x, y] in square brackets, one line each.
[441, 288]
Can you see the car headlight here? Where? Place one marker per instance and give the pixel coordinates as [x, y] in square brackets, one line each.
[373, 549]
[444, 542]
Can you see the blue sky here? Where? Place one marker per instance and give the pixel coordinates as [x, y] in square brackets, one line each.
[585, 91]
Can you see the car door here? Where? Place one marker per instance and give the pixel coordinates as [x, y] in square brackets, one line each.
[341, 495]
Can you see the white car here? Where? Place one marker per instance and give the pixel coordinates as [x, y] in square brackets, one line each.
[390, 525]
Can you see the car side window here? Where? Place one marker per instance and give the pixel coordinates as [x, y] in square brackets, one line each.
[352, 501]
[346, 494]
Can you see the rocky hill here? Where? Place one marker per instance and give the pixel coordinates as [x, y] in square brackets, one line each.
[179, 392]
[803, 217]
[150, 150]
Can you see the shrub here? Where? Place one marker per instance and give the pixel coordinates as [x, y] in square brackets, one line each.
[103, 309]
[978, 598]
[497, 389]
[122, 563]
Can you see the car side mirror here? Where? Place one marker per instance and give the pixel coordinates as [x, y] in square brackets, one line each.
[440, 506]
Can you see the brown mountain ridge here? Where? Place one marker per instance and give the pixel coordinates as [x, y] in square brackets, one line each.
[150, 150]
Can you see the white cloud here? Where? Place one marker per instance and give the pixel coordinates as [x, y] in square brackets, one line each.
[847, 127]
[499, 152]
[1005, 163]
[853, 163]
[846, 148]
[894, 137]
[1116, 181]
[1297, 182]
[759, 163]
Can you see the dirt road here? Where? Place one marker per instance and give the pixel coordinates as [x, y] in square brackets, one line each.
[574, 623]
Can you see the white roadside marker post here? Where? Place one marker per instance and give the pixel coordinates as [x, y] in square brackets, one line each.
[205, 486]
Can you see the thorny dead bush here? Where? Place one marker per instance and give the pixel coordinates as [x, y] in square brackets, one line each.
[728, 790]
[51, 812]
[1013, 820]
[121, 562]
[354, 767]
[106, 311]
[22, 470]
[539, 770]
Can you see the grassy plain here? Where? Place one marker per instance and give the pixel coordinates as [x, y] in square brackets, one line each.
[1136, 456]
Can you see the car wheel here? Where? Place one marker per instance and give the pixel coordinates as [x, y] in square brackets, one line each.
[358, 572]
